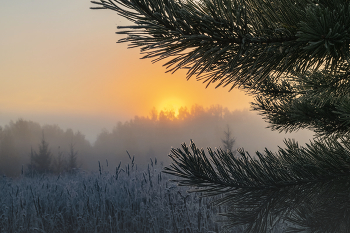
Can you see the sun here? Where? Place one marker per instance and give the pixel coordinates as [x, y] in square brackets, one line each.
[172, 103]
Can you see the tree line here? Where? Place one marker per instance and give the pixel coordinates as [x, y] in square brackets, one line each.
[26, 147]
[24, 144]
[44, 162]
[153, 136]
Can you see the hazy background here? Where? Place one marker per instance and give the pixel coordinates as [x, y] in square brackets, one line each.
[145, 138]
[59, 60]
[60, 69]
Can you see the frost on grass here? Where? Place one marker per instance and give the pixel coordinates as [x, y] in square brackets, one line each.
[127, 201]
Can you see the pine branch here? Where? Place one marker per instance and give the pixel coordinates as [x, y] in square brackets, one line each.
[234, 42]
[263, 191]
[325, 209]
[316, 101]
[221, 172]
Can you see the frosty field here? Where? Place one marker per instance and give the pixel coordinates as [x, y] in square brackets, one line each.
[129, 200]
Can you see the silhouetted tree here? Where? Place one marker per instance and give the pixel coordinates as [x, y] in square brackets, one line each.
[41, 162]
[228, 141]
[18, 137]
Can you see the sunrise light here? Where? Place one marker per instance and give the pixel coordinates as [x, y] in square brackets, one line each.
[173, 104]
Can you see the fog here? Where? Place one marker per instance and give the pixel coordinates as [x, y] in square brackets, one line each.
[105, 139]
[87, 124]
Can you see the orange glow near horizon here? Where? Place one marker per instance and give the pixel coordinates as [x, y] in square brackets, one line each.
[69, 63]
[171, 104]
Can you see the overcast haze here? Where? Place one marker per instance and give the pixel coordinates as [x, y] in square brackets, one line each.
[60, 64]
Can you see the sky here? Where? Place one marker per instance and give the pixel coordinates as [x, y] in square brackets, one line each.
[60, 64]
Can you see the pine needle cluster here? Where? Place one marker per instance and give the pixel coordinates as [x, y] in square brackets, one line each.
[232, 42]
[292, 186]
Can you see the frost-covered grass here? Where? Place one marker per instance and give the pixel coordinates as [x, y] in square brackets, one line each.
[129, 200]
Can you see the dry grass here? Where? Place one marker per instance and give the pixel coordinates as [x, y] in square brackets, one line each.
[127, 201]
